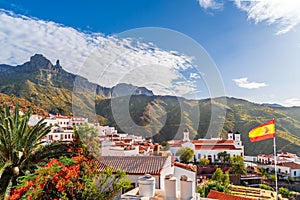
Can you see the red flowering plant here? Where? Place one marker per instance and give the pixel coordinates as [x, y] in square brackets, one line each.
[69, 178]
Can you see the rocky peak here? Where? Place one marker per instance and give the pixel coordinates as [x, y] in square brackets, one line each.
[39, 61]
[57, 67]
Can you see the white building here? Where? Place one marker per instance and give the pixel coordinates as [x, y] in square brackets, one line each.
[135, 166]
[281, 158]
[178, 184]
[106, 130]
[58, 134]
[65, 122]
[289, 169]
[62, 126]
[250, 158]
[209, 148]
[109, 148]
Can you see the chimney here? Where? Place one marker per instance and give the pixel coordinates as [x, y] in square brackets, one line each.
[186, 188]
[146, 186]
[171, 187]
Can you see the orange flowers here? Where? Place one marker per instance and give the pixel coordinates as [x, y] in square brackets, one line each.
[57, 178]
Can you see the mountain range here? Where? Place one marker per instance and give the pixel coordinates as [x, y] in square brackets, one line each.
[48, 88]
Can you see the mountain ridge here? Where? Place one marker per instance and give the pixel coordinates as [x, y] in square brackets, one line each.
[40, 78]
[51, 88]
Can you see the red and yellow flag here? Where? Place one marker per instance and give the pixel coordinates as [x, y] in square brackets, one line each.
[262, 132]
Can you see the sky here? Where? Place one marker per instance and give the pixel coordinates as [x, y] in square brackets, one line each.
[191, 48]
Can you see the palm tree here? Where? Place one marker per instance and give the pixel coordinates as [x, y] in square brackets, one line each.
[21, 148]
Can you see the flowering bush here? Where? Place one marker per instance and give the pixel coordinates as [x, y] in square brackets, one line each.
[69, 178]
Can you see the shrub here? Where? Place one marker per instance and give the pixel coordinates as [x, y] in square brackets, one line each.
[185, 154]
[266, 187]
[284, 192]
[203, 161]
[204, 190]
[217, 176]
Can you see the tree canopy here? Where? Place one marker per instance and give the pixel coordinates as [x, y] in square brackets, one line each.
[185, 154]
[238, 166]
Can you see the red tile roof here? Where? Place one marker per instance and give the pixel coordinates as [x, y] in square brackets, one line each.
[186, 166]
[213, 142]
[134, 164]
[145, 148]
[205, 144]
[223, 196]
[291, 165]
[215, 147]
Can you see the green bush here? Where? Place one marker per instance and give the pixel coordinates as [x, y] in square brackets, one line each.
[217, 176]
[273, 178]
[204, 190]
[266, 187]
[284, 192]
[185, 154]
[245, 183]
[203, 161]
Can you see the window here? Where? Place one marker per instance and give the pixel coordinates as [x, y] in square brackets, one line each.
[295, 173]
[199, 155]
[279, 170]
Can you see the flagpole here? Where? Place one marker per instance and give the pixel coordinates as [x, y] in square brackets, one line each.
[275, 167]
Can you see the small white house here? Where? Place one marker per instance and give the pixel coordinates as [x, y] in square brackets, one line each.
[289, 168]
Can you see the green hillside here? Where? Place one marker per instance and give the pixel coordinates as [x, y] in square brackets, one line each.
[48, 88]
[241, 116]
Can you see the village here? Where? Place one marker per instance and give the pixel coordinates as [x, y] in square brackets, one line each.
[158, 171]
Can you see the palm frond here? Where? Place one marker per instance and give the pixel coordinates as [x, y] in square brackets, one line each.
[4, 167]
[8, 188]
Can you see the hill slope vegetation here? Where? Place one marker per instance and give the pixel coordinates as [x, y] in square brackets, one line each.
[49, 88]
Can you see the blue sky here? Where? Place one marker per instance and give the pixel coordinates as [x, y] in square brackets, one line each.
[255, 45]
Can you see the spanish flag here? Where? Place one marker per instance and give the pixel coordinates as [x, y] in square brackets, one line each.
[262, 132]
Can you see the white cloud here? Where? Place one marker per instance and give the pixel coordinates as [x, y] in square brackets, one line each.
[284, 13]
[107, 60]
[210, 4]
[244, 83]
[195, 75]
[292, 102]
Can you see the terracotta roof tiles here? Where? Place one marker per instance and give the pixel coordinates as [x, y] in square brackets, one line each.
[223, 196]
[134, 164]
[291, 165]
